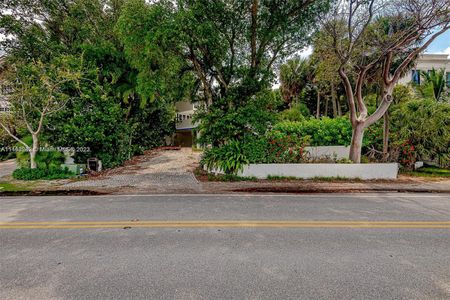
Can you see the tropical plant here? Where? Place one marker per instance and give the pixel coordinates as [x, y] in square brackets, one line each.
[294, 75]
[228, 158]
[219, 126]
[434, 84]
[425, 125]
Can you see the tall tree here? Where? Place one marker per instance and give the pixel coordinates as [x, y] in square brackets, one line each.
[326, 65]
[230, 47]
[357, 29]
[37, 92]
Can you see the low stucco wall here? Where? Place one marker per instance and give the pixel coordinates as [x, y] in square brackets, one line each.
[307, 171]
[363, 171]
[338, 152]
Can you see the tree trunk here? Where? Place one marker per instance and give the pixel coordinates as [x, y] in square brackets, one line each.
[356, 144]
[325, 113]
[339, 106]
[33, 152]
[333, 100]
[386, 135]
[318, 105]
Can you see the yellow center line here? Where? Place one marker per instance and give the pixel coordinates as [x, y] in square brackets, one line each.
[224, 224]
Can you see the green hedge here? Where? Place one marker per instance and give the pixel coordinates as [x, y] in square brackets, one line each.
[322, 132]
[36, 174]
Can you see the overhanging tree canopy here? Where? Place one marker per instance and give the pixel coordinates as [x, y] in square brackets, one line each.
[229, 46]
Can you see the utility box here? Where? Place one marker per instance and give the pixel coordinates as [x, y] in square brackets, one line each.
[94, 164]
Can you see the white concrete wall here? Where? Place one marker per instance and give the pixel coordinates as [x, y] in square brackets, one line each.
[308, 171]
[338, 152]
[362, 171]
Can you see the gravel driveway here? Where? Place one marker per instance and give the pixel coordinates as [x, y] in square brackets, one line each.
[159, 170]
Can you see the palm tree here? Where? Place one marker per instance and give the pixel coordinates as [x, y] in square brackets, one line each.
[293, 77]
[434, 84]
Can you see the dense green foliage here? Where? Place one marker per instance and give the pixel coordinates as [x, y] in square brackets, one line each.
[273, 148]
[296, 113]
[218, 126]
[285, 142]
[433, 85]
[45, 159]
[5, 142]
[37, 174]
[115, 110]
[323, 132]
[424, 124]
[294, 77]
[135, 58]
[229, 158]
[226, 50]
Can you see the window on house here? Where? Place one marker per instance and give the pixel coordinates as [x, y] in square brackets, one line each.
[448, 79]
[416, 76]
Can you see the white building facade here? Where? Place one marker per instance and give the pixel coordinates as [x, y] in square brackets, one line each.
[427, 62]
[185, 126]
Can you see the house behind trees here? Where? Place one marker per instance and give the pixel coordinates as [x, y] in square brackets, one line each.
[425, 63]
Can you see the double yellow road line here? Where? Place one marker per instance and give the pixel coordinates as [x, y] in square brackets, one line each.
[226, 224]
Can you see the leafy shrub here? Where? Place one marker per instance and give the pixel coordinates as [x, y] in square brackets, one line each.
[36, 174]
[407, 155]
[255, 149]
[224, 122]
[275, 147]
[295, 114]
[424, 124]
[229, 158]
[402, 94]
[323, 132]
[44, 159]
[284, 148]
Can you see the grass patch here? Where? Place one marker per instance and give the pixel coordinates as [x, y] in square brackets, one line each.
[10, 187]
[230, 178]
[282, 178]
[430, 172]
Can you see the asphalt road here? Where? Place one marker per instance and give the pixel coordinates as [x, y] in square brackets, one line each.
[360, 246]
